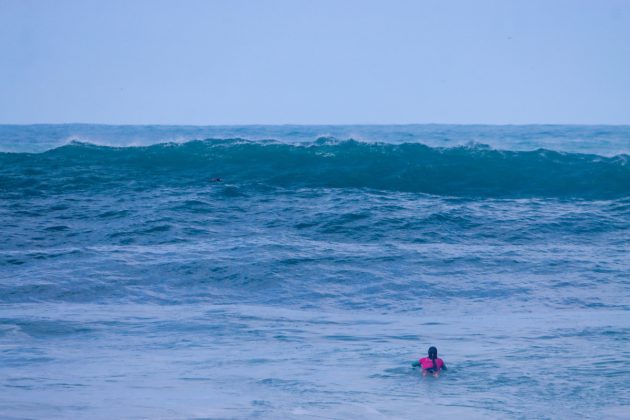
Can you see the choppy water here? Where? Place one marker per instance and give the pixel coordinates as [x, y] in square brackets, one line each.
[304, 283]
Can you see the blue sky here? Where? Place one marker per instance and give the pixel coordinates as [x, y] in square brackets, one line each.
[315, 62]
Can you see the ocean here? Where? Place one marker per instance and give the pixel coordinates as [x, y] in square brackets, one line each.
[296, 271]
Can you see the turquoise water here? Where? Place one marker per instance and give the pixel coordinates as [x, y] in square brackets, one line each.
[304, 283]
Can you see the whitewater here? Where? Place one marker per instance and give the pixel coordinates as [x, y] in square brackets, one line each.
[298, 271]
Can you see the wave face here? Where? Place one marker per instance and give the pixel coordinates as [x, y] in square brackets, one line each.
[465, 171]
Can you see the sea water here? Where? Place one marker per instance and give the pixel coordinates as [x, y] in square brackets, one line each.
[297, 271]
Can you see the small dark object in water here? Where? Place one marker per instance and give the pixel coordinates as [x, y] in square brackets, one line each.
[216, 179]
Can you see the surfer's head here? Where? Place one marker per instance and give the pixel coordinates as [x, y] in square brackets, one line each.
[432, 352]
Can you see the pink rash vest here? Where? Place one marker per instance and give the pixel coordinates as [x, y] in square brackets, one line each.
[427, 363]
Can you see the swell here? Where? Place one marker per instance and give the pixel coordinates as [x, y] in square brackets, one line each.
[472, 171]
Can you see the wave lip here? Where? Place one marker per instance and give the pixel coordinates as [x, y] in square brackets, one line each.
[475, 170]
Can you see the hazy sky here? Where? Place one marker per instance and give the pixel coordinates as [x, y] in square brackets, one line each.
[311, 62]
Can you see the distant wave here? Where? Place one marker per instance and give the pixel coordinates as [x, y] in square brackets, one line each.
[465, 171]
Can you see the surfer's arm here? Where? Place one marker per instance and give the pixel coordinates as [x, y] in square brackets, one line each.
[444, 366]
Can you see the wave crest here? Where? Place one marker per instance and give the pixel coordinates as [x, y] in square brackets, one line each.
[468, 171]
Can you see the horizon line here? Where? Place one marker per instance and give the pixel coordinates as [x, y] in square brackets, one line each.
[318, 124]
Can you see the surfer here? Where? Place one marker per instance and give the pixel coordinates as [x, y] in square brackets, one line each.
[431, 364]
[217, 179]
